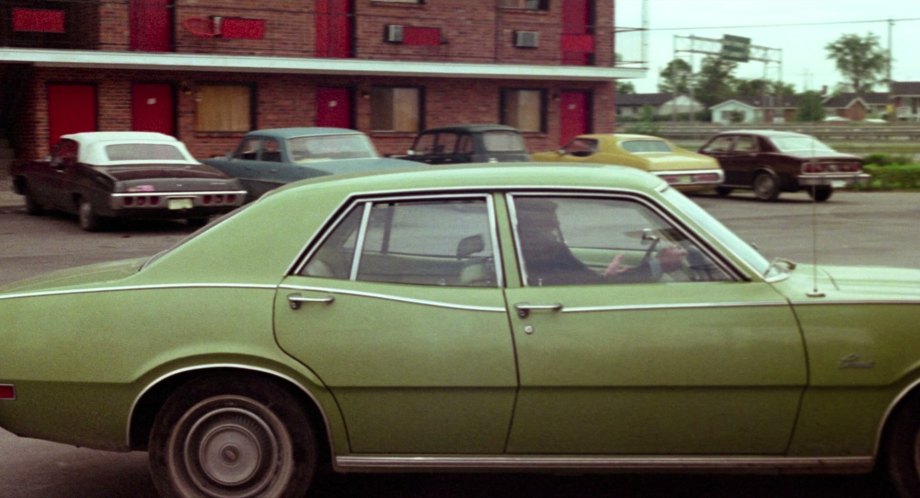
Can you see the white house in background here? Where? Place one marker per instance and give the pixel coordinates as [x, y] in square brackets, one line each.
[735, 112]
[905, 100]
[664, 104]
[765, 109]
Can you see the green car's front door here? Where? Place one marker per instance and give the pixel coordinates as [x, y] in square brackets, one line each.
[412, 336]
[662, 358]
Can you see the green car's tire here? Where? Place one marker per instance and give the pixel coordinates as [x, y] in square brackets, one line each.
[231, 436]
[904, 449]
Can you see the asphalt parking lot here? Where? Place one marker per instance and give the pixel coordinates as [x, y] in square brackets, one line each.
[853, 228]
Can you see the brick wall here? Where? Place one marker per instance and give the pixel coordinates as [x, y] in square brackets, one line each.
[472, 31]
[290, 100]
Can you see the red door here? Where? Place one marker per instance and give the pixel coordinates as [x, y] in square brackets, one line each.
[334, 28]
[71, 109]
[574, 115]
[151, 25]
[334, 107]
[152, 107]
[577, 32]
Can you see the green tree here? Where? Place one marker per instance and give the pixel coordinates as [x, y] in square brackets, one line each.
[625, 88]
[861, 60]
[811, 107]
[675, 77]
[715, 83]
[758, 87]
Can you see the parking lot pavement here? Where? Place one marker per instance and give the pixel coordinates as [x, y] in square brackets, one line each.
[8, 198]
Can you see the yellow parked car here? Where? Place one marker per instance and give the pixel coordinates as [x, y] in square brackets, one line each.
[683, 169]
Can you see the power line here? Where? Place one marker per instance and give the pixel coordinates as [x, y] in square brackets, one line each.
[786, 25]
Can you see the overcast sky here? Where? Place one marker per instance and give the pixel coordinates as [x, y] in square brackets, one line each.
[795, 32]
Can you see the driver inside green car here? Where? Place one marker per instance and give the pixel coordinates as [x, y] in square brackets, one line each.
[549, 261]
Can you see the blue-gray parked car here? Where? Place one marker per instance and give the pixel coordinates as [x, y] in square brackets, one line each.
[267, 159]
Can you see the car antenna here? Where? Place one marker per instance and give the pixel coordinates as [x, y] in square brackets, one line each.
[814, 235]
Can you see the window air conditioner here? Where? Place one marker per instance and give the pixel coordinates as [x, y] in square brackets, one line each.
[393, 33]
[526, 39]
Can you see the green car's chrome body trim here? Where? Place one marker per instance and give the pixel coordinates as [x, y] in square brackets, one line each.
[395, 298]
[745, 464]
[233, 366]
[128, 288]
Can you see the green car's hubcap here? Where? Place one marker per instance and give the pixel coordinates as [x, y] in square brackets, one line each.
[233, 450]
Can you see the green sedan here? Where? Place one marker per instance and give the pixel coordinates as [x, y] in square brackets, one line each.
[523, 316]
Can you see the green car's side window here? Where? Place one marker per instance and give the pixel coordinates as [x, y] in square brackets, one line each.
[585, 240]
[422, 242]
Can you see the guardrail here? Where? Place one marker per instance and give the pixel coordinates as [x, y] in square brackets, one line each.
[853, 132]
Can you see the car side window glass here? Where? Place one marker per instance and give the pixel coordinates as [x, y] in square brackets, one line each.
[418, 242]
[581, 147]
[587, 240]
[271, 150]
[745, 144]
[719, 144]
[447, 143]
[65, 153]
[248, 149]
[465, 144]
[426, 143]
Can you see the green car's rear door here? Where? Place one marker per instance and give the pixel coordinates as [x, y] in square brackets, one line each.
[413, 338]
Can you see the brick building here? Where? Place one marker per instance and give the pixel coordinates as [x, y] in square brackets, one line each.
[208, 70]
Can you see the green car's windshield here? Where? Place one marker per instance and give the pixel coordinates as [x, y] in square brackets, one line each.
[714, 227]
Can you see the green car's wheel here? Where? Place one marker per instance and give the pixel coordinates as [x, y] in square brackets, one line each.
[87, 217]
[231, 437]
[904, 449]
[766, 187]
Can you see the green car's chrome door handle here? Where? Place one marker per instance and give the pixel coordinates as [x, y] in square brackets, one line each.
[295, 300]
[524, 309]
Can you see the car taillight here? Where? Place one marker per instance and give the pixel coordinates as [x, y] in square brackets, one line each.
[850, 167]
[128, 201]
[814, 168]
[7, 391]
[706, 178]
[231, 199]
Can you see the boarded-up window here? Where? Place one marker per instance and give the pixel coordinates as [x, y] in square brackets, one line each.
[224, 108]
[524, 109]
[396, 109]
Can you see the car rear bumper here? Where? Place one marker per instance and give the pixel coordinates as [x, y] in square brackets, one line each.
[175, 204]
[836, 180]
[692, 180]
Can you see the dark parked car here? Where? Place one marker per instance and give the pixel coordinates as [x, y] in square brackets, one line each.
[267, 159]
[770, 162]
[103, 175]
[475, 143]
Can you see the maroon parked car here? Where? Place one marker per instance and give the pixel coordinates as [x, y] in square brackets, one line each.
[769, 162]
